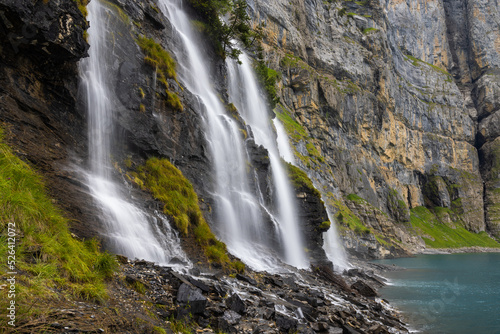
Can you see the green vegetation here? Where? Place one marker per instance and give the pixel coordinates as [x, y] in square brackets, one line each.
[157, 57]
[138, 286]
[174, 101]
[293, 61]
[356, 198]
[366, 31]
[300, 180]
[164, 65]
[296, 131]
[417, 62]
[168, 184]
[45, 251]
[221, 32]
[180, 327]
[346, 218]
[82, 6]
[439, 235]
[141, 93]
[325, 225]
[159, 330]
[396, 204]
[268, 78]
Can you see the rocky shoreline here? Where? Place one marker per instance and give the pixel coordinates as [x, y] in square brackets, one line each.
[147, 298]
[474, 249]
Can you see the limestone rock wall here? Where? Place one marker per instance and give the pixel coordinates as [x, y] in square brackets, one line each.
[393, 95]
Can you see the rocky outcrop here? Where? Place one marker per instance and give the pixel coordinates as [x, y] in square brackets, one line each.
[41, 43]
[389, 95]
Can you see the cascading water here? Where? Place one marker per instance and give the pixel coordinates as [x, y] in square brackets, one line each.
[129, 230]
[244, 93]
[283, 144]
[246, 96]
[332, 245]
[238, 210]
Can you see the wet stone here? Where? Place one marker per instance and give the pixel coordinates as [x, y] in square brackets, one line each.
[364, 289]
[285, 323]
[231, 317]
[246, 279]
[193, 297]
[236, 304]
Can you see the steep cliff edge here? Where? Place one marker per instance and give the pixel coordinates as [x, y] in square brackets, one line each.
[391, 101]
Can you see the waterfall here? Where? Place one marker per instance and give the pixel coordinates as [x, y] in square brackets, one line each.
[239, 211]
[283, 144]
[332, 245]
[246, 96]
[129, 230]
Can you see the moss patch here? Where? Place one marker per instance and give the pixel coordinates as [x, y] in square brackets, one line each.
[438, 235]
[417, 62]
[82, 6]
[300, 180]
[268, 78]
[298, 133]
[164, 64]
[168, 184]
[345, 217]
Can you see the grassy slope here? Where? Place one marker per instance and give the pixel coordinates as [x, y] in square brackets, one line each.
[439, 235]
[47, 257]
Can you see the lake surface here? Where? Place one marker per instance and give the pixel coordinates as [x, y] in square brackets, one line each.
[457, 293]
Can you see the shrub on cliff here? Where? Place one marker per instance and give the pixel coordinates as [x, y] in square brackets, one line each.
[221, 31]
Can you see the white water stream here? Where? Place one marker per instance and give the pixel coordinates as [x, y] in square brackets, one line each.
[129, 230]
[239, 210]
[248, 99]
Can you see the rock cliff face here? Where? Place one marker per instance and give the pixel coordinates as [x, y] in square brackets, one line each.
[397, 101]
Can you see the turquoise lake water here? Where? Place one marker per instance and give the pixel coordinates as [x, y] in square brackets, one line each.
[455, 294]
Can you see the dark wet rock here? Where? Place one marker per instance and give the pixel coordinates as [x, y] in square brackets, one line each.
[274, 280]
[311, 300]
[192, 298]
[269, 313]
[327, 273]
[231, 317]
[246, 279]
[236, 304]
[199, 284]
[302, 329]
[320, 326]
[364, 289]
[290, 281]
[286, 323]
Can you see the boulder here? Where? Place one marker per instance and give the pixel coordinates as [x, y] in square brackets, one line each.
[364, 289]
[236, 304]
[191, 297]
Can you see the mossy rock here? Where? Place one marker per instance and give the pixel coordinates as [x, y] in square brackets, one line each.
[397, 207]
[173, 189]
[300, 181]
